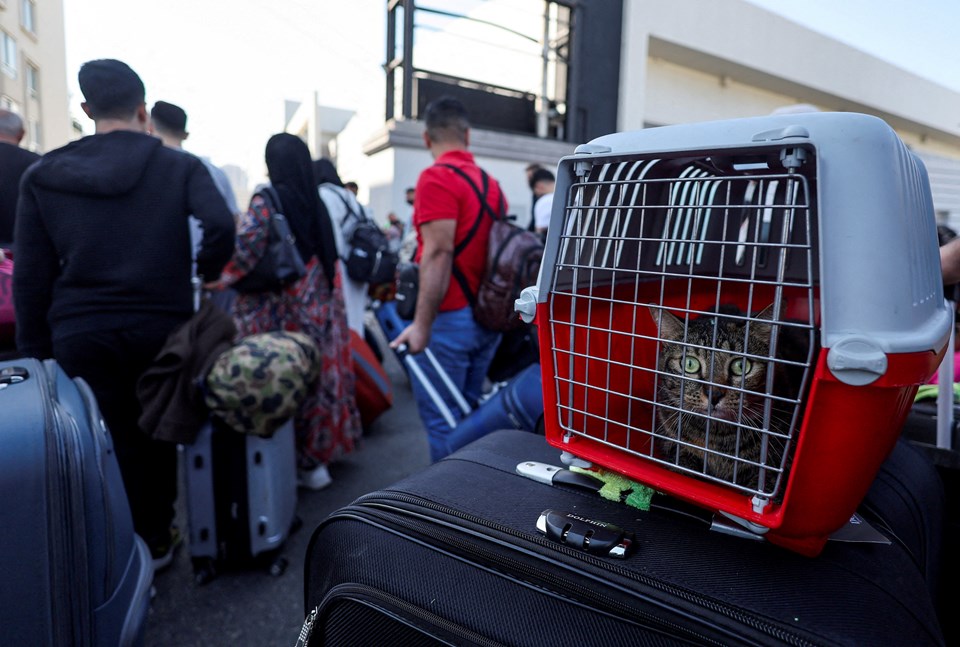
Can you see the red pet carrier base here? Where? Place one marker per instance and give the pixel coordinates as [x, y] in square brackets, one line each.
[845, 434]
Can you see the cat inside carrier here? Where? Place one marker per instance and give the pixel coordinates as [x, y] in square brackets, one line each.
[739, 313]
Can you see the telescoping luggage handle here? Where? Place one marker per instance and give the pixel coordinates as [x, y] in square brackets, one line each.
[945, 393]
[432, 392]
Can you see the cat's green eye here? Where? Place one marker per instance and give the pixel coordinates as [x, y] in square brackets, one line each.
[740, 366]
[691, 365]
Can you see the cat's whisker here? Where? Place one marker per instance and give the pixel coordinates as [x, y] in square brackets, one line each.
[714, 413]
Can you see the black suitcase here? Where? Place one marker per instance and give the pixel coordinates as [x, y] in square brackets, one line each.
[72, 570]
[452, 555]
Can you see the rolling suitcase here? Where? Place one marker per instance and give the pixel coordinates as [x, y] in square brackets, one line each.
[241, 493]
[469, 551]
[74, 571]
[515, 404]
[373, 388]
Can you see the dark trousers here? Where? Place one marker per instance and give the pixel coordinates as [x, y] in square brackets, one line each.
[111, 362]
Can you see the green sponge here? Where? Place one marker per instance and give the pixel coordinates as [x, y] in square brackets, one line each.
[617, 487]
[928, 391]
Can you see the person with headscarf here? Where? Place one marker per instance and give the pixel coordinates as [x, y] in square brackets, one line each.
[345, 214]
[328, 423]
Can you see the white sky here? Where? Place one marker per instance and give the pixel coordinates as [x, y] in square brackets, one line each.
[917, 35]
[231, 63]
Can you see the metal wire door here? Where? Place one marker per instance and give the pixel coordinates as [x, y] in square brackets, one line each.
[721, 256]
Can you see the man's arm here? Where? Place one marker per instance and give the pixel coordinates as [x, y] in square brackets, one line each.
[950, 262]
[219, 229]
[436, 264]
[222, 182]
[35, 270]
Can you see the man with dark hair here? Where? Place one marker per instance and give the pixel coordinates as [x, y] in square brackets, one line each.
[542, 183]
[452, 229]
[169, 123]
[103, 271]
[13, 162]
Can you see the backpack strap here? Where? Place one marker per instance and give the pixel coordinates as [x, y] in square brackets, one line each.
[271, 197]
[350, 212]
[484, 208]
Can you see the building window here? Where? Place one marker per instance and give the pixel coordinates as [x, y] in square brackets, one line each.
[28, 15]
[9, 104]
[33, 135]
[33, 81]
[8, 56]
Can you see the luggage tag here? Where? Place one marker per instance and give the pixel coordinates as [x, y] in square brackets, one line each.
[589, 535]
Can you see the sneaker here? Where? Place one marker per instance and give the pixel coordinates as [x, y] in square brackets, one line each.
[315, 479]
[164, 551]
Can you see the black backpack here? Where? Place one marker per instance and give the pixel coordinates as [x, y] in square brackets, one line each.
[370, 259]
[513, 263]
[281, 263]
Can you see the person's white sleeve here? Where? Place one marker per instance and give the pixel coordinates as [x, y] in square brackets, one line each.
[337, 211]
[541, 211]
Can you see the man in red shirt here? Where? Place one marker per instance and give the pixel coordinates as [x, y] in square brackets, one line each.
[452, 231]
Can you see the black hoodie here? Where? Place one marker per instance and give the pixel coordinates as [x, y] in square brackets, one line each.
[103, 239]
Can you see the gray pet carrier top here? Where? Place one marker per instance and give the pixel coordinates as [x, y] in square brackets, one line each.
[831, 201]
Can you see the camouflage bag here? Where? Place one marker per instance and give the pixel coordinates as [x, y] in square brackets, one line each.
[258, 384]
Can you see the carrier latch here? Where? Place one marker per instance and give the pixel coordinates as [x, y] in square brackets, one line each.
[526, 305]
[857, 361]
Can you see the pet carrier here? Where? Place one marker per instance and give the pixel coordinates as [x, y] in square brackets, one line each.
[739, 312]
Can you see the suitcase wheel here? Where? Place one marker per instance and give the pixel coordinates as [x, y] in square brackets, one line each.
[278, 566]
[204, 570]
[295, 525]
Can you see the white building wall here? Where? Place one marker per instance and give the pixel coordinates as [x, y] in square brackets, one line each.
[701, 60]
[759, 48]
[677, 94]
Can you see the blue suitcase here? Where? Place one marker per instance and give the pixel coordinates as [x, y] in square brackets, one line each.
[516, 404]
[74, 571]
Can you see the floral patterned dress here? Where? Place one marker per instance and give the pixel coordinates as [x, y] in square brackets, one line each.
[328, 423]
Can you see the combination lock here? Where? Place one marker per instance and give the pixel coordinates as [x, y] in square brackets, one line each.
[595, 537]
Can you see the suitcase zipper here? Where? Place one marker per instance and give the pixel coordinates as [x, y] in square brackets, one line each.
[98, 429]
[384, 501]
[361, 593]
[58, 525]
[306, 631]
[70, 557]
[593, 599]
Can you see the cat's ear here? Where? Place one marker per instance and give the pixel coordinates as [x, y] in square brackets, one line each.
[767, 313]
[761, 327]
[670, 327]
